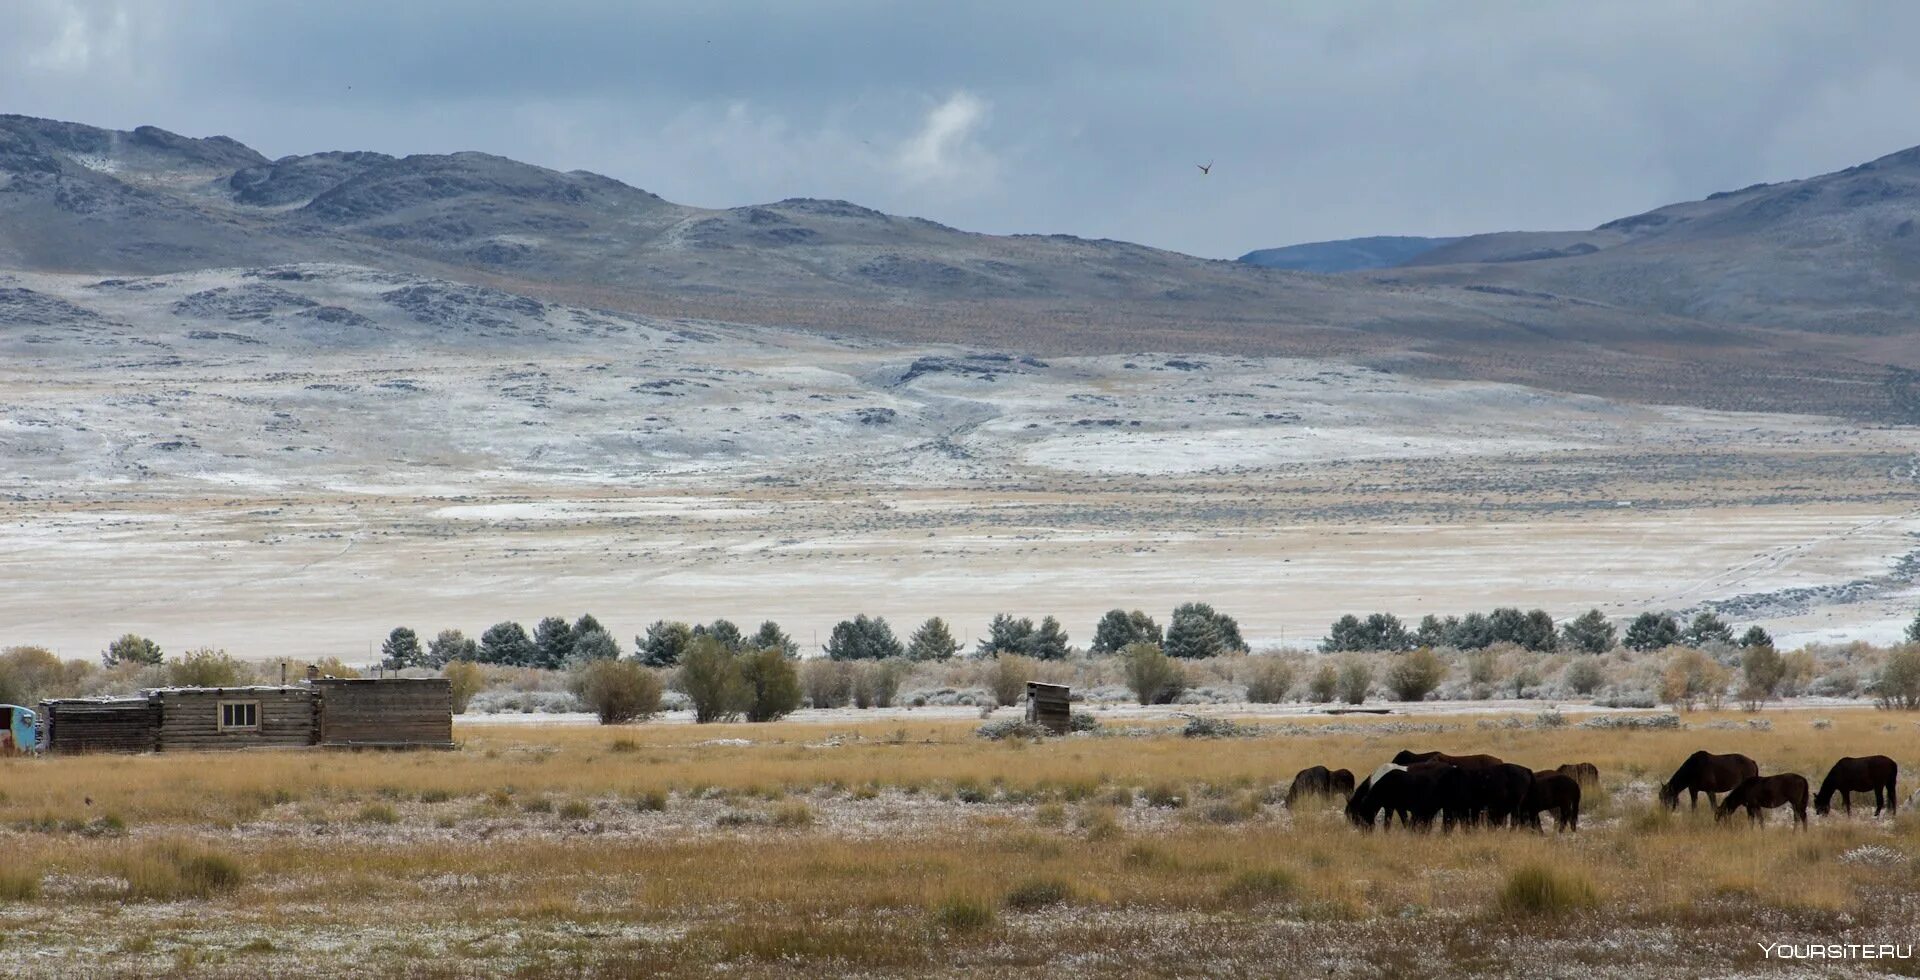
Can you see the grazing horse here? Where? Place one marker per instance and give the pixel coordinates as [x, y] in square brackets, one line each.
[1318, 781]
[1786, 789]
[1859, 775]
[1493, 795]
[1408, 757]
[1584, 773]
[1413, 792]
[1704, 772]
[1556, 790]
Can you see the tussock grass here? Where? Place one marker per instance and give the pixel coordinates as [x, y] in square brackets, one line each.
[175, 869]
[379, 813]
[21, 884]
[1535, 889]
[1038, 893]
[964, 913]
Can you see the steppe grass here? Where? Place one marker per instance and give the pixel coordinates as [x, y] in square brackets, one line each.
[860, 856]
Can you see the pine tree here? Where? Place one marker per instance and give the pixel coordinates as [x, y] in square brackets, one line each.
[1435, 632]
[1474, 632]
[1005, 634]
[401, 650]
[1707, 628]
[592, 645]
[1590, 632]
[1652, 631]
[587, 624]
[1756, 636]
[553, 639]
[932, 641]
[725, 632]
[508, 644]
[132, 649]
[450, 646]
[771, 637]
[1048, 642]
[1913, 629]
[663, 644]
[861, 638]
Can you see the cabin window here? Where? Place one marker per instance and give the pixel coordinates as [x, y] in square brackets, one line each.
[239, 716]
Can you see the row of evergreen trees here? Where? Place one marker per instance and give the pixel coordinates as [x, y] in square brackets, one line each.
[1195, 630]
[1590, 632]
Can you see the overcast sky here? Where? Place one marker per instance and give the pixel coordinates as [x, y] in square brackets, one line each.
[1324, 120]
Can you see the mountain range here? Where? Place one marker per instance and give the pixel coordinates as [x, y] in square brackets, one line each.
[1797, 296]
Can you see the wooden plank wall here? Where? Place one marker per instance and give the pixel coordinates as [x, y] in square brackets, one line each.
[129, 725]
[392, 711]
[190, 718]
[1050, 705]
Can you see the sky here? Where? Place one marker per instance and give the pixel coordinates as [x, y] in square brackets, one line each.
[1323, 120]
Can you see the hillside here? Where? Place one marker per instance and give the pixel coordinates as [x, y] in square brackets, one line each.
[1345, 255]
[79, 199]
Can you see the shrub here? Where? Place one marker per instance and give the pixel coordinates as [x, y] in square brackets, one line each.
[1691, 677]
[710, 677]
[1413, 676]
[1201, 726]
[876, 684]
[617, 691]
[1038, 893]
[1008, 678]
[1152, 675]
[1323, 683]
[1356, 676]
[1899, 683]
[650, 800]
[772, 685]
[176, 869]
[466, 678]
[206, 667]
[1012, 728]
[28, 674]
[1763, 668]
[827, 683]
[381, 813]
[1535, 889]
[1269, 678]
[793, 813]
[1585, 675]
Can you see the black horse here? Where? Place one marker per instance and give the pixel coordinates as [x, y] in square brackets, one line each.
[1755, 792]
[1704, 772]
[1875, 773]
[1555, 790]
[1413, 793]
[1407, 757]
[1318, 781]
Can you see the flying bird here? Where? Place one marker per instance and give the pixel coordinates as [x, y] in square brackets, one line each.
[1205, 168]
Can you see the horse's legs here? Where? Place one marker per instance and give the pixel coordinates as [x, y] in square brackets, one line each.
[1846, 801]
[1800, 815]
[1877, 805]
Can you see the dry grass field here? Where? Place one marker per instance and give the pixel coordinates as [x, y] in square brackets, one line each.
[919, 848]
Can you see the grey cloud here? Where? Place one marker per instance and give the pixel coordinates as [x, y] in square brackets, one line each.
[1325, 120]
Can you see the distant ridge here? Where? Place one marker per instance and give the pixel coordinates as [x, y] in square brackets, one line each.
[1345, 255]
[1795, 296]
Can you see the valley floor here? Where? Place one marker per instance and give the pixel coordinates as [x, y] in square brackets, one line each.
[917, 848]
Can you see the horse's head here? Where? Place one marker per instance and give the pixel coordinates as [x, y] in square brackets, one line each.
[1823, 804]
[1670, 795]
[1405, 757]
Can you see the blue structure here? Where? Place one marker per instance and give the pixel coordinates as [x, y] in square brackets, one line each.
[19, 730]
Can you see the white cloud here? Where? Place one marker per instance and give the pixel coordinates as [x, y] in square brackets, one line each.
[946, 149]
[77, 36]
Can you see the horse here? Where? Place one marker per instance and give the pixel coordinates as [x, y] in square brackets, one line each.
[1584, 773]
[1704, 772]
[1408, 757]
[1359, 796]
[1412, 792]
[1493, 795]
[1556, 790]
[1318, 781]
[1754, 792]
[1858, 775]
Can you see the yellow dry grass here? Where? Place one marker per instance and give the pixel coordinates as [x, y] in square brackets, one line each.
[550, 852]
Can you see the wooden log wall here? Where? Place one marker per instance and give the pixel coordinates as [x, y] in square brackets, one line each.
[394, 712]
[190, 718]
[121, 725]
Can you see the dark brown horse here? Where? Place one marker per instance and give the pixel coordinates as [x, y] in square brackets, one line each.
[1319, 781]
[1553, 789]
[1755, 792]
[1704, 772]
[1584, 773]
[1875, 773]
[1407, 757]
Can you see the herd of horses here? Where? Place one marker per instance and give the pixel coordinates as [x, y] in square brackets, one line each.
[1486, 791]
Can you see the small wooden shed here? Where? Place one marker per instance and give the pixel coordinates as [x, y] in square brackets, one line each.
[235, 717]
[1049, 705]
[100, 724]
[392, 712]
